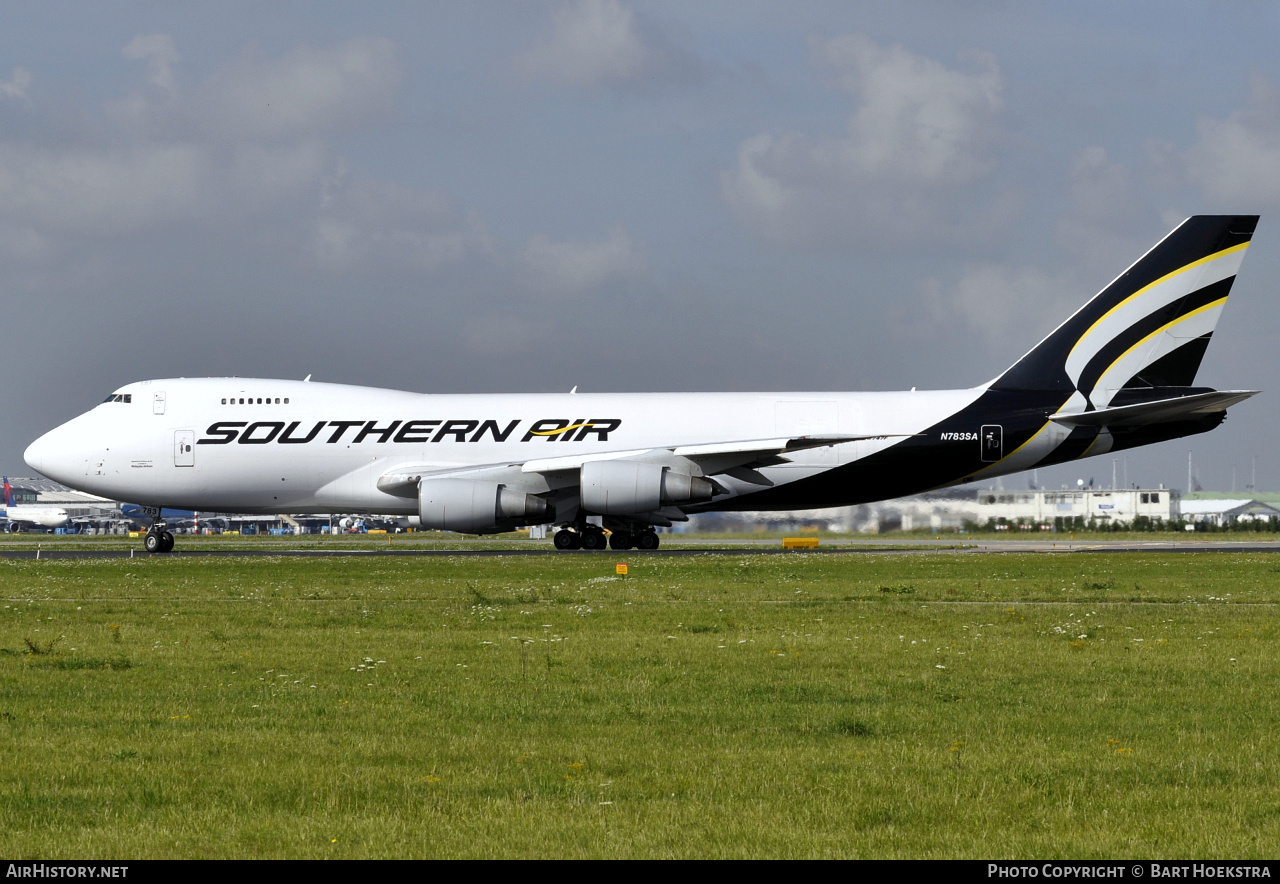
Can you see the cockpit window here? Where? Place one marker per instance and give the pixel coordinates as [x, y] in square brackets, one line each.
[119, 397]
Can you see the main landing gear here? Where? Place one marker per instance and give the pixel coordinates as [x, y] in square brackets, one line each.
[587, 537]
[593, 538]
[567, 539]
[645, 538]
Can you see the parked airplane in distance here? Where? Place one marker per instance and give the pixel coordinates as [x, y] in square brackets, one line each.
[24, 516]
[1117, 374]
[32, 515]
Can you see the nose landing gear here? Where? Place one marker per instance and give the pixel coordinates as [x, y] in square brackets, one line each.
[158, 539]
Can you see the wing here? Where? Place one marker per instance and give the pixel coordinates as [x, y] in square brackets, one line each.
[546, 474]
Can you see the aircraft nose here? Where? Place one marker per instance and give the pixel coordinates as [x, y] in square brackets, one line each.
[51, 456]
[34, 455]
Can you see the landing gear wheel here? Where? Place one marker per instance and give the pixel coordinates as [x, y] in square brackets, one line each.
[153, 542]
[620, 540]
[566, 539]
[594, 540]
[647, 540]
[166, 541]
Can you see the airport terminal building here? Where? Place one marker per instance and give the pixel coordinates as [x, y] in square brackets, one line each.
[1043, 507]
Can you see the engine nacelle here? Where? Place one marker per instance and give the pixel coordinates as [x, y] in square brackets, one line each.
[474, 507]
[622, 487]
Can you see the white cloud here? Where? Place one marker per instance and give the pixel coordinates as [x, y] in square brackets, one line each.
[220, 153]
[103, 192]
[1104, 228]
[259, 175]
[917, 119]
[17, 85]
[920, 134]
[49, 195]
[1108, 219]
[1236, 161]
[605, 43]
[375, 223]
[570, 268]
[1107, 223]
[1099, 187]
[307, 91]
[1004, 306]
[158, 51]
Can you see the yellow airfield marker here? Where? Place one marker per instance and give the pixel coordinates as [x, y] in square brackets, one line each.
[799, 543]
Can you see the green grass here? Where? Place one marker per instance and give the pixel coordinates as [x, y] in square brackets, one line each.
[939, 705]
[435, 540]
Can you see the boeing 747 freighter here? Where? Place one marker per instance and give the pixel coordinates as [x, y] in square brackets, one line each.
[1117, 374]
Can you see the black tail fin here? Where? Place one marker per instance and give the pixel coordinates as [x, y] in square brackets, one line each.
[1151, 325]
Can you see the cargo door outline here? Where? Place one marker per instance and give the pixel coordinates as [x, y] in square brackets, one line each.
[991, 442]
[184, 448]
[816, 417]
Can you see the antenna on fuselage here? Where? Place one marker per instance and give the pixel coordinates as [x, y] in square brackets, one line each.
[307, 379]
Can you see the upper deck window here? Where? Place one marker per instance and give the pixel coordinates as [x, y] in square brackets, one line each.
[251, 400]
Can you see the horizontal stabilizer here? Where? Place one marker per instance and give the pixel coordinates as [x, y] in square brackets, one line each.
[1162, 411]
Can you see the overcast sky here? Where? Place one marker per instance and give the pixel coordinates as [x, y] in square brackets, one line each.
[525, 196]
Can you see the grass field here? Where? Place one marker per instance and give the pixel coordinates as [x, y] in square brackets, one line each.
[880, 705]
[437, 540]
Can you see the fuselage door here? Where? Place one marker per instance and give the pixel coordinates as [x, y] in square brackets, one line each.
[992, 441]
[157, 403]
[184, 448]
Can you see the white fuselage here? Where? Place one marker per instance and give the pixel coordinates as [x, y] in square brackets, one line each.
[246, 445]
[36, 514]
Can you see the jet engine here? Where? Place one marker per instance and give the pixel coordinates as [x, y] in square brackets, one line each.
[620, 487]
[474, 507]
